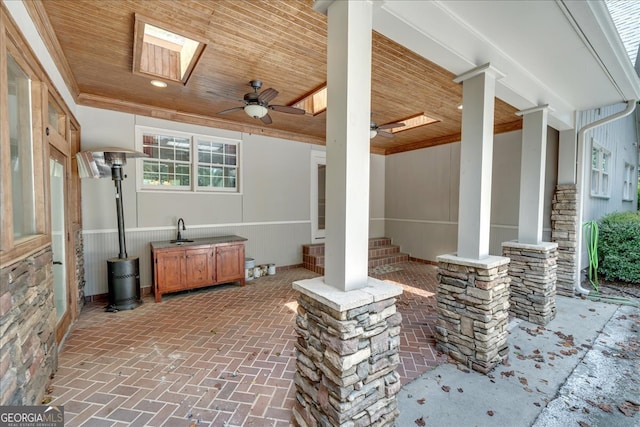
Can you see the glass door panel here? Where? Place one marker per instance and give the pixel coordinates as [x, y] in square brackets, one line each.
[58, 232]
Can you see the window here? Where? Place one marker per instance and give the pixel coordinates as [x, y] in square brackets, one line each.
[600, 169]
[21, 148]
[23, 194]
[627, 189]
[188, 162]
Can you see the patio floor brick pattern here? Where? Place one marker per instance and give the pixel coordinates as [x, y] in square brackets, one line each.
[220, 356]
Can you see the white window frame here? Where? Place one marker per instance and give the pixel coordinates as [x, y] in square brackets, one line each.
[192, 138]
[628, 181]
[601, 171]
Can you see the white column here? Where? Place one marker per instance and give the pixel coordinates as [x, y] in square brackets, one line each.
[567, 156]
[532, 173]
[476, 159]
[348, 106]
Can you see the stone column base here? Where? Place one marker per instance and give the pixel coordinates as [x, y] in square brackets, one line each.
[347, 354]
[473, 304]
[533, 280]
[564, 227]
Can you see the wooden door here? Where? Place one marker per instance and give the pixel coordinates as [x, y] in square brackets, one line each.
[170, 270]
[199, 267]
[229, 263]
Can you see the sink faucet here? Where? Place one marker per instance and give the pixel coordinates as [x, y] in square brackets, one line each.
[180, 220]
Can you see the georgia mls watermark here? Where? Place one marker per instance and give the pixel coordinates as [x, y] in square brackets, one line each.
[31, 416]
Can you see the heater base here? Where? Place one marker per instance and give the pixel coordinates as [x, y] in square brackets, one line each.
[124, 284]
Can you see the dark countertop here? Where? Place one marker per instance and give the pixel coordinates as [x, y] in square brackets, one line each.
[202, 241]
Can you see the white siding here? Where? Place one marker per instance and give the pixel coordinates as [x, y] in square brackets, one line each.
[620, 137]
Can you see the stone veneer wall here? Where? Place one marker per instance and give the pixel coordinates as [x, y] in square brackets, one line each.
[346, 364]
[473, 304]
[79, 262]
[533, 280]
[564, 226]
[27, 329]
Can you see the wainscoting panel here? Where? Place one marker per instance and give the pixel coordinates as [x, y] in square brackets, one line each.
[268, 243]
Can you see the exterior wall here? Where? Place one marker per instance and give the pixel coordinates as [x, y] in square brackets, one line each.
[28, 328]
[272, 210]
[620, 137]
[422, 196]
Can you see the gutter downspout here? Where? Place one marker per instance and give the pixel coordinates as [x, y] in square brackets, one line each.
[581, 188]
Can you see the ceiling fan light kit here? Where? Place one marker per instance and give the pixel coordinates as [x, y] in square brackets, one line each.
[256, 104]
[256, 111]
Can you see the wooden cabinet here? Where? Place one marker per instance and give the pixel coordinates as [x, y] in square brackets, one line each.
[204, 262]
[229, 262]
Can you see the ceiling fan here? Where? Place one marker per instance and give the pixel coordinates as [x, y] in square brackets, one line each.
[257, 104]
[375, 130]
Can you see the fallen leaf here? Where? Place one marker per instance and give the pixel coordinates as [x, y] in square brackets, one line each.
[538, 366]
[523, 380]
[506, 373]
[490, 413]
[527, 389]
[421, 401]
[460, 390]
[605, 408]
[628, 408]
[583, 424]
[537, 404]
[585, 410]
[446, 388]
[420, 422]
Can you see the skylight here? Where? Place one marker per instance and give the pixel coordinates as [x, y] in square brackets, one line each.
[160, 52]
[315, 102]
[414, 122]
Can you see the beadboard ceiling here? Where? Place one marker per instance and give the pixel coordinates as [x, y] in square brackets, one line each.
[565, 54]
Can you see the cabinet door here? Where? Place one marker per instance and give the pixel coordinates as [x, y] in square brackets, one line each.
[169, 268]
[229, 263]
[199, 267]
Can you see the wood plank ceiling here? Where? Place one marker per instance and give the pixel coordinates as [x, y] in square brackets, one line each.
[281, 42]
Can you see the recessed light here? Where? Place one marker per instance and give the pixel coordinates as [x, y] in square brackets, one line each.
[158, 83]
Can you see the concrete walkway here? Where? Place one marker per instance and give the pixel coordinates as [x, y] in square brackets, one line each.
[575, 370]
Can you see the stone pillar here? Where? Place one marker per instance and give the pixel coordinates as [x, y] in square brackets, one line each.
[532, 271]
[473, 304]
[564, 229]
[347, 354]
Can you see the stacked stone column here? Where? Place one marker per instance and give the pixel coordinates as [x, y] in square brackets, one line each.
[347, 354]
[533, 280]
[473, 304]
[564, 226]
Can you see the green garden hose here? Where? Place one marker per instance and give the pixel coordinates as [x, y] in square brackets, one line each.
[591, 230]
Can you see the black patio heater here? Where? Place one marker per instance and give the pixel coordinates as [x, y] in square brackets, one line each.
[123, 271]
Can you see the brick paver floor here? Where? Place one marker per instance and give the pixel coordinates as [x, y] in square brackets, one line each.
[220, 356]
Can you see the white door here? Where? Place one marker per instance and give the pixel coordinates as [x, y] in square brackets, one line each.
[318, 194]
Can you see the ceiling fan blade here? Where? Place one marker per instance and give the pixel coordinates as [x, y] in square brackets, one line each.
[286, 109]
[385, 134]
[391, 125]
[266, 119]
[267, 95]
[231, 110]
[221, 95]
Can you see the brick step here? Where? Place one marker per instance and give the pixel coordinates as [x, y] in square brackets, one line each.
[381, 252]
